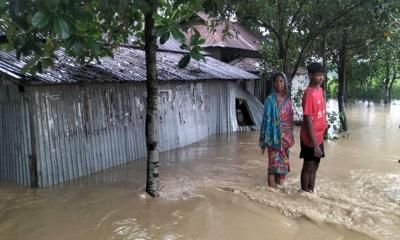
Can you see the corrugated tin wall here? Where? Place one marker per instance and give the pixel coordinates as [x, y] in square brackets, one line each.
[15, 141]
[86, 129]
[79, 130]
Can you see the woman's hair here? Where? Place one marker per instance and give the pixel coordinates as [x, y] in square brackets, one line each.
[275, 76]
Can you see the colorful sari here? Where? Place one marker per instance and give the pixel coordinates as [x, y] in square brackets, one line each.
[277, 133]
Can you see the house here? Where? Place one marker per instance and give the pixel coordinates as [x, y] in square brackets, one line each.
[73, 120]
[260, 88]
[228, 45]
[240, 48]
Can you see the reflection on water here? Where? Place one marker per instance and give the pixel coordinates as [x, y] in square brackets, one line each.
[216, 189]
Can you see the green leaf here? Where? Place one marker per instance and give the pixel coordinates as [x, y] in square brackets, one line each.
[3, 4]
[164, 38]
[61, 27]
[194, 39]
[6, 47]
[69, 43]
[177, 34]
[184, 46]
[144, 6]
[78, 48]
[197, 48]
[184, 61]
[41, 19]
[201, 41]
[193, 20]
[94, 47]
[177, 3]
[123, 6]
[159, 30]
[81, 26]
[196, 55]
[52, 5]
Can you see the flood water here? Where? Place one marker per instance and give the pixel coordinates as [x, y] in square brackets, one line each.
[216, 189]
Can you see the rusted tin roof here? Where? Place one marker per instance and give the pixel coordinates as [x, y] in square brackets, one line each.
[241, 37]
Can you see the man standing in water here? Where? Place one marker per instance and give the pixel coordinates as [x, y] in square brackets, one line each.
[313, 127]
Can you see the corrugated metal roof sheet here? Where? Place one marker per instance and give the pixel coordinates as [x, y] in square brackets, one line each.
[241, 37]
[171, 45]
[252, 65]
[127, 65]
[247, 64]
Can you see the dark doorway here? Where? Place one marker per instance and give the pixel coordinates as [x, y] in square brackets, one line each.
[243, 115]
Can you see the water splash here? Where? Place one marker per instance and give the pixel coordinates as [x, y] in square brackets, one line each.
[369, 205]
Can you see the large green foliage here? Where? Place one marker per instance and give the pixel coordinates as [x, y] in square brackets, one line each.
[90, 29]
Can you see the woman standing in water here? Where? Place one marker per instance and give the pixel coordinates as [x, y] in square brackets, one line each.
[277, 130]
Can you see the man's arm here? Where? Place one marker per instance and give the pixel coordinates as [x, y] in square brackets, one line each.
[310, 131]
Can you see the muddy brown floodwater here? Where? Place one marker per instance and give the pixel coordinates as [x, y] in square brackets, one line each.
[215, 189]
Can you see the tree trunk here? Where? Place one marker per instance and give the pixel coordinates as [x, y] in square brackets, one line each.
[323, 55]
[289, 79]
[386, 83]
[282, 50]
[369, 97]
[342, 81]
[392, 83]
[369, 85]
[325, 84]
[152, 183]
[386, 94]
